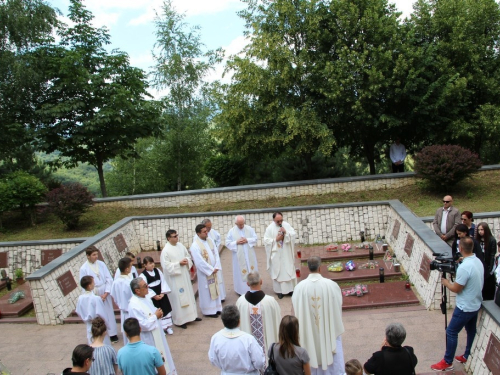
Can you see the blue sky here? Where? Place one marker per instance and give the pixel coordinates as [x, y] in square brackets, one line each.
[130, 23]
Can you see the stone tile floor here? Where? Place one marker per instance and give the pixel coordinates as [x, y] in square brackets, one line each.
[38, 350]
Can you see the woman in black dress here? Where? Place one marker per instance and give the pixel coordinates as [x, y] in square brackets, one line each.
[488, 245]
[158, 290]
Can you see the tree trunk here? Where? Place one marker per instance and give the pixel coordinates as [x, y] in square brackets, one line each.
[100, 172]
[370, 157]
[309, 171]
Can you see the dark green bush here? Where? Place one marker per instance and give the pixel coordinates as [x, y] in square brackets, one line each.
[69, 203]
[446, 165]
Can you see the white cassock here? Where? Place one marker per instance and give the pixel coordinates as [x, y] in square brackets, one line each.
[317, 303]
[206, 261]
[280, 258]
[236, 352]
[260, 319]
[166, 320]
[244, 259]
[178, 278]
[151, 331]
[89, 307]
[103, 283]
[132, 275]
[215, 236]
[121, 293]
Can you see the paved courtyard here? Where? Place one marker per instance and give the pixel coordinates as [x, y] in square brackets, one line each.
[39, 350]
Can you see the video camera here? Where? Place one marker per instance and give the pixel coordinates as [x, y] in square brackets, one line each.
[444, 264]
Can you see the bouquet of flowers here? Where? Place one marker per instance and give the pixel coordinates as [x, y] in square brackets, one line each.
[357, 290]
[336, 267]
[350, 265]
[332, 247]
[346, 247]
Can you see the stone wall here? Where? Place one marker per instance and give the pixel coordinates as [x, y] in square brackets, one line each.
[266, 191]
[261, 192]
[27, 255]
[51, 305]
[488, 328]
[313, 224]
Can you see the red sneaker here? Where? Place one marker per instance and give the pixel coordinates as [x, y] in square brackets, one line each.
[460, 358]
[442, 366]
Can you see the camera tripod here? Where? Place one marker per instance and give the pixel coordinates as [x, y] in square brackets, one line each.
[444, 302]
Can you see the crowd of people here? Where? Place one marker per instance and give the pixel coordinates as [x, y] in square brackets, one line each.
[254, 334]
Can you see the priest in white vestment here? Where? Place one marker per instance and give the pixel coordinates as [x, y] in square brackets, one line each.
[235, 351]
[141, 308]
[215, 236]
[260, 315]
[89, 306]
[279, 240]
[103, 282]
[241, 240]
[317, 303]
[121, 292]
[208, 267]
[176, 263]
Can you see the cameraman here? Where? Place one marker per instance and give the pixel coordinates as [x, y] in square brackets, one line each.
[468, 286]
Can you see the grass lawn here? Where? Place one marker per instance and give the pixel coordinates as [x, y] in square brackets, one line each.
[478, 194]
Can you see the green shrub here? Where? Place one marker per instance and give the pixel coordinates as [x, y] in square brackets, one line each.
[445, 166]
[69, 203]
[25, 191]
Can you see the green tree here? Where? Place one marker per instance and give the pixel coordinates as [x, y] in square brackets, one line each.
[453, 72]
[95, 107]
[274, 105]
[182, 65]
[25, 26]
[26, 192]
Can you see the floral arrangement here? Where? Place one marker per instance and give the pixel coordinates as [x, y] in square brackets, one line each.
[346, 247]
[332, 247]
[350, 265]
[357, 290]
[336, 267]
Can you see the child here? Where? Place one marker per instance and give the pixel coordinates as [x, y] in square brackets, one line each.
[353, 367]
[121, 292]
[133, 272]
[90, 306]
[103, 281]
[104, 359]
[157, 284]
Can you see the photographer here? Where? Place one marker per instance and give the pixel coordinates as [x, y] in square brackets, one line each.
[468, 286]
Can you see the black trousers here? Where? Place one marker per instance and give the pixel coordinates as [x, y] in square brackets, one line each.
[398, 168]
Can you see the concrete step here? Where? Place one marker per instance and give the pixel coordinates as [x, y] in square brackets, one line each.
[15, 320]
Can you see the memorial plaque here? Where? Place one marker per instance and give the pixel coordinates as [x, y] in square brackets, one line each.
[395, 230]
[66, 283]
[4, 260]
[492, 355]
[49, 255]
[409, 244]
[120, 243]
[425, 267]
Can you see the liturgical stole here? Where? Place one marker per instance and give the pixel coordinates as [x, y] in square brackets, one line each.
[213, 284]
[240, 253]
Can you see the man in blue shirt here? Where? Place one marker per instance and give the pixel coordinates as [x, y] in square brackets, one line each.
[468, 286]
[136, 357]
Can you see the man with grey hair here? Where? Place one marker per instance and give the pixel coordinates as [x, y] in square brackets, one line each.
[260, 315]
[393, 358]
[317, 302]
[235, 351]
[241, 240]
[148, 316]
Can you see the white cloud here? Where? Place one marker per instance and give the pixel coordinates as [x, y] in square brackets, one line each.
[404, 6]
[189, 7]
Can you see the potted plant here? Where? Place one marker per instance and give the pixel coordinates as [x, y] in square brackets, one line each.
[18, 273]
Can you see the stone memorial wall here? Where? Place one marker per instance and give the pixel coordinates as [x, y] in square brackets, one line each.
[485, 353]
